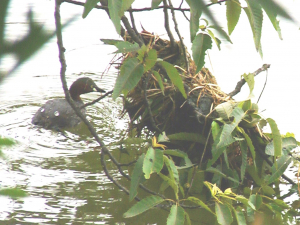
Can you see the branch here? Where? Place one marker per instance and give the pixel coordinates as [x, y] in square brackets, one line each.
[180, 38]
[167, 26]
[241, 83]
[96, 100]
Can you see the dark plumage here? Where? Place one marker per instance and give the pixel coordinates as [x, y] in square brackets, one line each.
[57, 113]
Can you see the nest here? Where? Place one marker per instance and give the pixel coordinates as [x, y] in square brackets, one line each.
[170, 111]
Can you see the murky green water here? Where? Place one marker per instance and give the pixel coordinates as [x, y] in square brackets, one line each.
[62, 176]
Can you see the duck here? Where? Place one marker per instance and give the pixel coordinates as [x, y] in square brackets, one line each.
[58, 113]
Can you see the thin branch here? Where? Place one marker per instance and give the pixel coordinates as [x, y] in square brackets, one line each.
[180, 38]
[241, 83]
[262, 91]
[167, 26]
[104, 149]
[96, 100]
[133, 22]
[148, 105]
[218, 2]
[131, 32]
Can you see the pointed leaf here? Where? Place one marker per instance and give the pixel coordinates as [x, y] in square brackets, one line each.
[181, 154]
[130, 74]
[174, 76]
[155, 4]
[223, 213]
[150, 60]
[196, 8]
[272, 6]
[143, 205]
[255, 17]
[173, 172]
[125, 47]
[240, 217]
[273, 18]
[253, 173]
[200, 203]
[6, 141]
[176, 216]
[194, 137]
[153, 162]
[238, 115]
[249, 143]
[233, 12]
[125, 6]
[110, 41]
[288, 144]
[225, 109]
[201, 43]
[276, 137]
[216, 40]
[159, 80]
[249, 78]
[216, 171]
[114, 8]
[279, 168]
[88, 6]
[171, 182]
[136, 176]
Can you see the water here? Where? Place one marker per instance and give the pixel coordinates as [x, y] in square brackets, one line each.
[62, 176]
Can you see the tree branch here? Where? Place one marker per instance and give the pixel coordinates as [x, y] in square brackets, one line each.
[167, 26]
[241, 83]
[180, 38]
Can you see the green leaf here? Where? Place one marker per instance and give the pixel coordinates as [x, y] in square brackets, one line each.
[13, 192]
[125, 6]
[225, 109]
[288, 144]
[125, 47]
[114, 8]
[155, 4]
[176, 216]
[253, 173]
[181, 154]
[201, 43]
[153, 162]
[111, 41]
[88, 6]
[224, 216]
[255, 17]
[130, 74]
[173, 172]
[136, 176]
[245, 201]
[249, 143]
[270, 5]
[184, 136]
[272, 16]
[187, 219]
[215, 130]
[216, 40]
[150, 60]
[171, 182]
[268, 190]
[244, 148]
[6, 141]
[279, 168]
[249, 78]
[159, 80]
[174, 76]
[216, 171]
[233, 12]
[200, 203]
[276, 137]
[143, 205]
[238, 115]
[196, 8]
[240, 218]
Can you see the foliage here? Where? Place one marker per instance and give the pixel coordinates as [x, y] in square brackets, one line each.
[237, 174]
